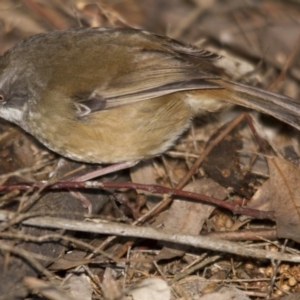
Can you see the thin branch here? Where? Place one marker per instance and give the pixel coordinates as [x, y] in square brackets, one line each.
[156, 189]
[111, 228]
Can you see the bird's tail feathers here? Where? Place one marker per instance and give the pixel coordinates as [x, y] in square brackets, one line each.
[281, 107]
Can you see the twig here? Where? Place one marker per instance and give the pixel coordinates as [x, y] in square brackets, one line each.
[29, 257]
[290, 59]
[111, 228]
[156, 189]
[167, 200]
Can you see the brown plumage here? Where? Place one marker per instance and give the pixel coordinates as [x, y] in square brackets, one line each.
[110, 95]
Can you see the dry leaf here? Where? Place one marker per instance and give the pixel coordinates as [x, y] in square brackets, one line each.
[188, 217]
[285, 197]
[225, 293]
[149, 289]
[196, 288]
[80, 287]
[110, 287]
[295, 296]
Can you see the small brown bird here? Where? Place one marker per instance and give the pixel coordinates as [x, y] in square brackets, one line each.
[112, 95]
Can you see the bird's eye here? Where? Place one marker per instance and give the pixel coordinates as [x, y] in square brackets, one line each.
[2, 97]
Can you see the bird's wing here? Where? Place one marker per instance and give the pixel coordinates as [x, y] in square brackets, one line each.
[155, 73]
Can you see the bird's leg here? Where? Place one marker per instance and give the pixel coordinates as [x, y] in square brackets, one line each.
[106, 170]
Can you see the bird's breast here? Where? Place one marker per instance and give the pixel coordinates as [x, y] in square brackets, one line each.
[130, 132]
